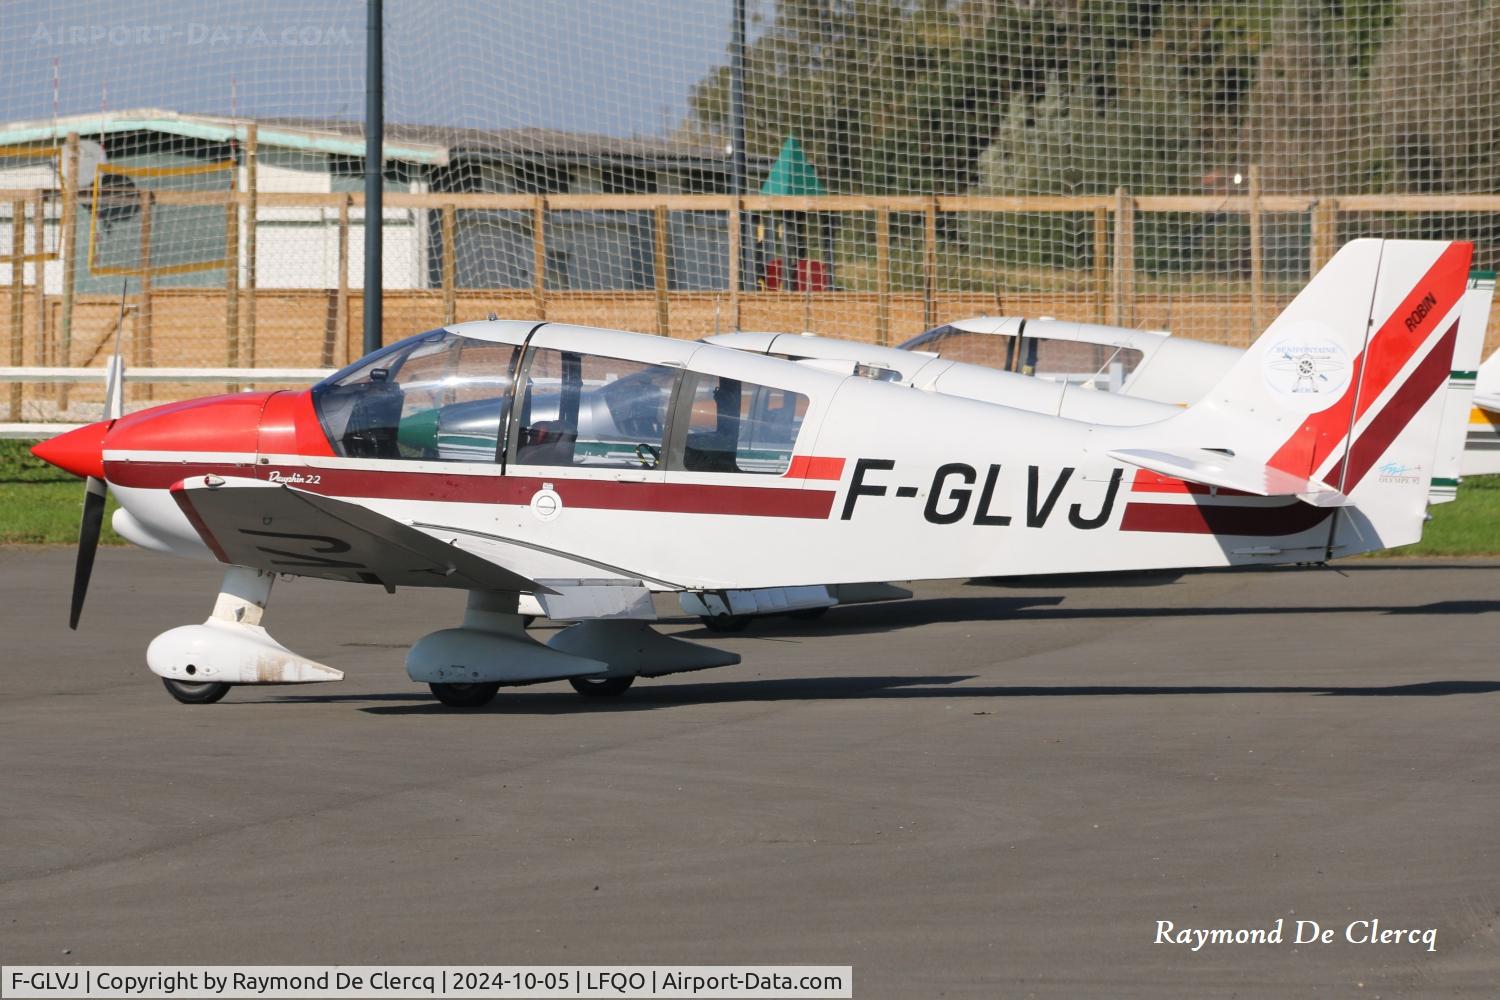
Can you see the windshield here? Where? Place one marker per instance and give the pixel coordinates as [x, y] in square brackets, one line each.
[435, 396]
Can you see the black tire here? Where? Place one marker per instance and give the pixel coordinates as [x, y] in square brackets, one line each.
[601, 687]
[465, 695]
[808, 614]
[195, 693]
[725, 623]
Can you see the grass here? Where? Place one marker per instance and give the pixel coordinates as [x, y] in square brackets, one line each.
[41, 505]
[1469, 526]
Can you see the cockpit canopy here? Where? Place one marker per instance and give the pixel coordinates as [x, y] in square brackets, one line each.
[1032, 347]
[441, 396]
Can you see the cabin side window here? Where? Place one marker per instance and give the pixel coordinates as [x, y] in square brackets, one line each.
[992, 350]
[591, 411]
[728, 425]
[434, 397]
[1102, 365]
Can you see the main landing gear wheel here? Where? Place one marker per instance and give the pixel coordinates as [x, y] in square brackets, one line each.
[601, 687]
[464, 695]
[189, 693]
[725, 623]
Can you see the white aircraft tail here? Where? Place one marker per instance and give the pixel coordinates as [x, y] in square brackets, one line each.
[1339, 403]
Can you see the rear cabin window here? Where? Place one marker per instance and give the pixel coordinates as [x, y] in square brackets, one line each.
[592, 411]
[1104, 365]
[735, 426]
[434, 397]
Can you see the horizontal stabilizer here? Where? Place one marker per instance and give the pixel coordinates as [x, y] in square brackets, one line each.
[1221, 471]
[1488, 401]
[281, 529]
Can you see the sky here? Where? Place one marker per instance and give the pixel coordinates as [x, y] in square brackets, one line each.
[610, 66]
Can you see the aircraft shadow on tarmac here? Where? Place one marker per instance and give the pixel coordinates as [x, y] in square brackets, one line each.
[660, 694]
[873, 618]
[666, 694]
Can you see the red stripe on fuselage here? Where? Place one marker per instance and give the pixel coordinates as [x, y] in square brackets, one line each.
[593, 494]
[815, 467]
[1216, 519]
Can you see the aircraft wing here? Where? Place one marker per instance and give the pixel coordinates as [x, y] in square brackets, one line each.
[278, 528]
[1215, 469]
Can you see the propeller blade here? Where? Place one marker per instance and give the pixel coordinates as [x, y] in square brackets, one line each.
[114, 375]
[95, 489]
[114, 388]
[88, 543]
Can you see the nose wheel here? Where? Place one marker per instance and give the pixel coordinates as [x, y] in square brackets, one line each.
[189, 693]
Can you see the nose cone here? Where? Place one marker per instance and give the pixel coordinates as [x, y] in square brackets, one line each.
[80, 451]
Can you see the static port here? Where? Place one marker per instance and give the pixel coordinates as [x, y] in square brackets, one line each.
[191, 670]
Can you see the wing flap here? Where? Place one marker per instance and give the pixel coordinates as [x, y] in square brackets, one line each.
[1218, 470]
[282, 529]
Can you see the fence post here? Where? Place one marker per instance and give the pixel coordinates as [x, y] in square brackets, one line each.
[1124, 258]
[17, 299]
[539, 256]
[1257, 254]
[736, 207]
[69, 250]
[341, 305]
[1324, 225]
[450, 270]
[929, 264]
[252, 215]
[144, 351]
[663, 314]
[232, 277]
[883, 277]
[1101, 261]
[39, 277]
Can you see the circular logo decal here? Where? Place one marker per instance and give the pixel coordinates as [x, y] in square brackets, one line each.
[1308, 368]
[546, 504]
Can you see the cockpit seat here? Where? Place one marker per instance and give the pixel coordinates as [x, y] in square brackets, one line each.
[373, 421]
[709, 451]
[547, 442]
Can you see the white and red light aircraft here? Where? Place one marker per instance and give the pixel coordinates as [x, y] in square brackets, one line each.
[593, 468]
